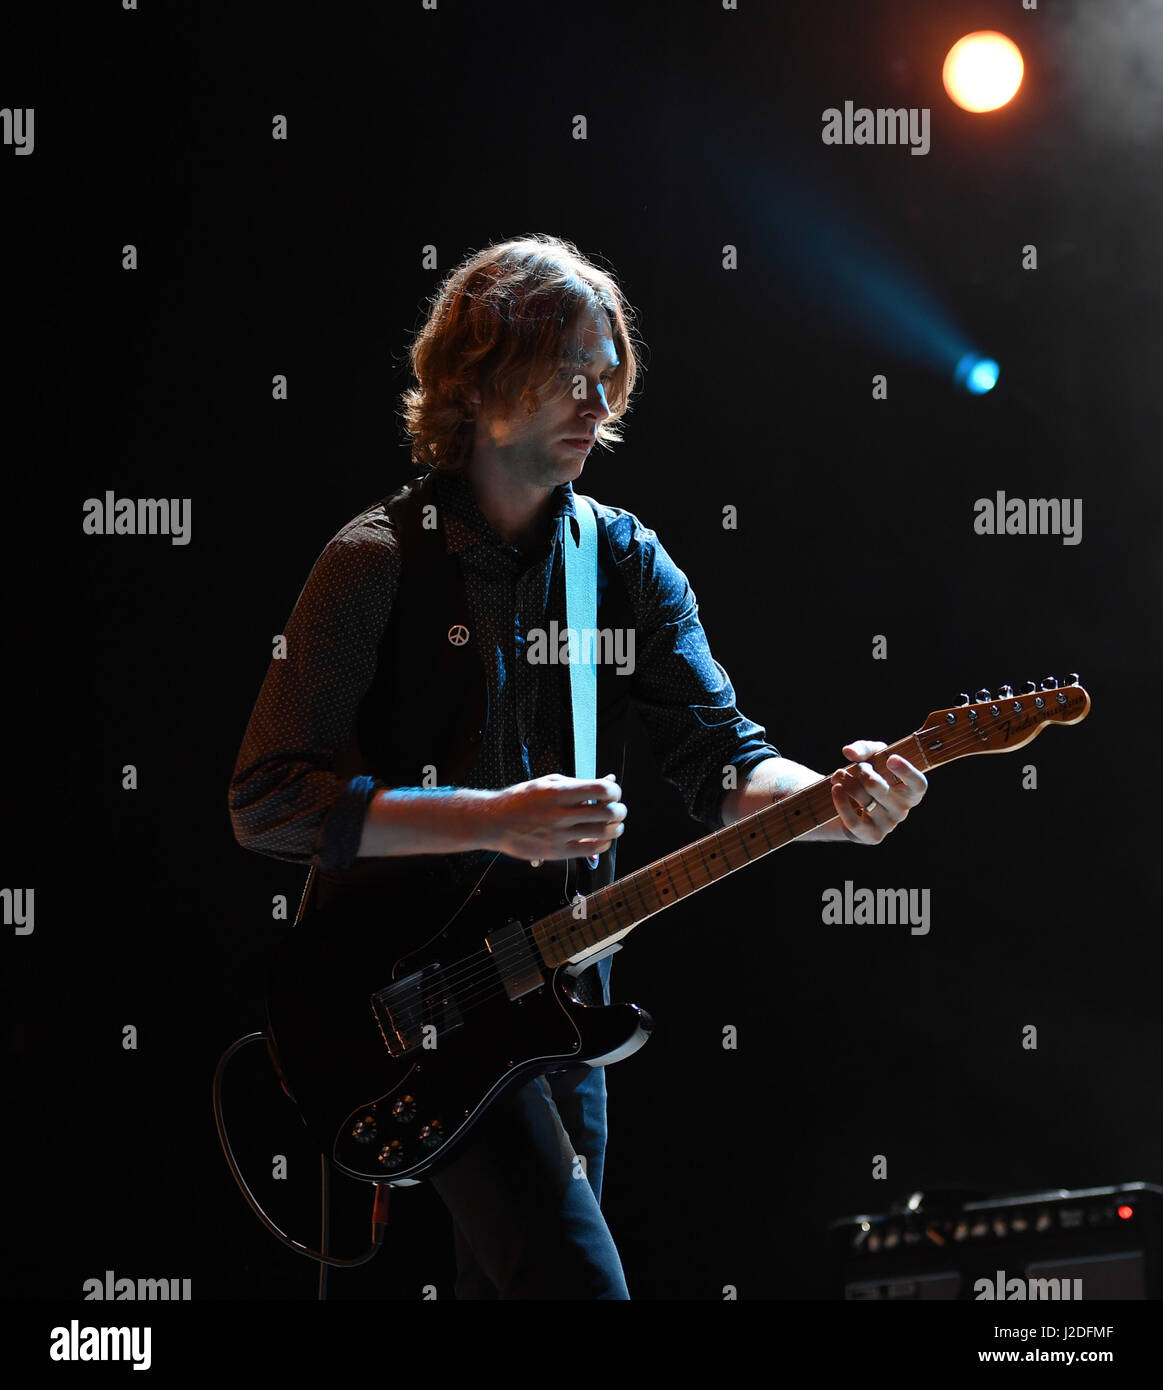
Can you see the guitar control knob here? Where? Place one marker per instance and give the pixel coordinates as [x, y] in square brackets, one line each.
[982, 696]
[364, 1129]
[1006, 692]
[404, 1110]
[391, 1156]
[1049, 683]
[432, 1135]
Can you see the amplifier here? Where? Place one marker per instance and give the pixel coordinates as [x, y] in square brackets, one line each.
[1059, 1245]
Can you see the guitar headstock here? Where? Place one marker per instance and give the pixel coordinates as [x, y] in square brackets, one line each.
[1000, 724]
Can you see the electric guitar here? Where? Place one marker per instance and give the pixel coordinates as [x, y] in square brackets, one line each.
[397, 1020]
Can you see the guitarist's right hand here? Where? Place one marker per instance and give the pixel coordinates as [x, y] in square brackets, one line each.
[549, 818]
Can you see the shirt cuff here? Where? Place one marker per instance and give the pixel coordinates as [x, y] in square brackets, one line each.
[337, 844]
[744, 765]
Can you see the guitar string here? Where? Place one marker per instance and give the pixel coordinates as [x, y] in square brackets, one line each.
[492, 958]
[467, 972]
[459, 977]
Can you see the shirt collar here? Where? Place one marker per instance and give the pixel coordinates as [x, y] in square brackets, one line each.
[464, 522]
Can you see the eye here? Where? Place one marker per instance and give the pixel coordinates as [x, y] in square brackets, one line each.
[606, 379]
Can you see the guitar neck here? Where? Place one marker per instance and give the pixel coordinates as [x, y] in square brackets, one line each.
[997, 725]
[613, 912]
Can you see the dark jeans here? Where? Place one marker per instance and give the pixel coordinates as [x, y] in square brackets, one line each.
[525, 1210]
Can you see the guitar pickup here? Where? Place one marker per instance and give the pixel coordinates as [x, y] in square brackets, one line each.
[416, 1012]
[514, 959]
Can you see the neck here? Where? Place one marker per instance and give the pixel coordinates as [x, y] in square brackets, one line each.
[516, 509]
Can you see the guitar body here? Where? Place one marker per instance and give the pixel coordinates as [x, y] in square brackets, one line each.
[398, 1018]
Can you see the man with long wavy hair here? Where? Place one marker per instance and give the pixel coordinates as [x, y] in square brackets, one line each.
[526, 363]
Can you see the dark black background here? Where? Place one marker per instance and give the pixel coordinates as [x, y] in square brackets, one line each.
[452, 128]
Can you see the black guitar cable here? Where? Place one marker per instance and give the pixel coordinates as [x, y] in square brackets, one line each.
[379, 1210]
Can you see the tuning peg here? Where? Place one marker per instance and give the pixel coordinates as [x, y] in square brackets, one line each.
[1031, 686]
[1005, 693]
[1049, 683]
[1073, 678]
[983, 695]
[964, 698]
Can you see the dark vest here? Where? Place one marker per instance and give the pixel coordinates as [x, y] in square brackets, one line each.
[428, 703]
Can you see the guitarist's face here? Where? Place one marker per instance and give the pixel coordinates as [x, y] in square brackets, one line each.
[531, 449]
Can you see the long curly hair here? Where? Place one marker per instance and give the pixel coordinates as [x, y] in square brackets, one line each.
[501, 320]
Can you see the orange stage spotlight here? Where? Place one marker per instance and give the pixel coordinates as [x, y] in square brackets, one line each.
[983, 70]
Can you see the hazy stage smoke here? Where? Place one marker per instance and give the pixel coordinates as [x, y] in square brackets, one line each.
[1111, 57]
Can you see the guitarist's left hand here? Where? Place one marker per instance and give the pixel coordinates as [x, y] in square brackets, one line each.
[869, 806]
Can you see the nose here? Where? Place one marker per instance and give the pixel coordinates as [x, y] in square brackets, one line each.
[594, 406]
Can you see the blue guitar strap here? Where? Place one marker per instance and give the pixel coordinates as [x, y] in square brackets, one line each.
[581, 614]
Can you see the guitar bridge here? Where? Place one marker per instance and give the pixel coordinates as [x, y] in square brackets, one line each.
[416, 1012]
